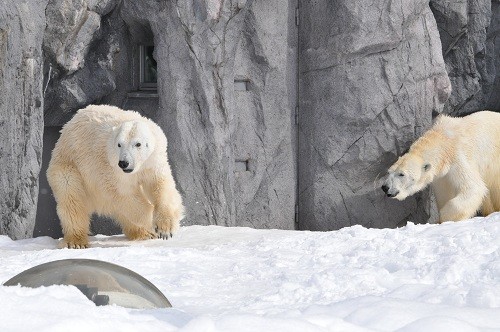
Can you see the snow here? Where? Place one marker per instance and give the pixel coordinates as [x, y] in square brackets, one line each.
[416, 278]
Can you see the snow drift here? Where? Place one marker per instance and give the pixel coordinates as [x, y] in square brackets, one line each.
[415, 278]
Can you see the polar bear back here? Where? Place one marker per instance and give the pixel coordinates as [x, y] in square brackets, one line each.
[85, 142]
[475, 137]
[94, 124]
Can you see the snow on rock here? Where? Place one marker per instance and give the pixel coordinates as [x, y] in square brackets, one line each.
[415, 278]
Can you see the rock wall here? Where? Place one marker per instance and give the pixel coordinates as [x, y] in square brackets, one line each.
[369, 81]
[79, 56]
[21, 113]
[469, 33]
[232, 150]
[369, 78]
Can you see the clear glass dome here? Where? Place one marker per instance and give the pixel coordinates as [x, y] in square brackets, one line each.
[102, 282]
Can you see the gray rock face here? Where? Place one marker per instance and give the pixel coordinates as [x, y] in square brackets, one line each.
[469, 33]
[231, 148]
[71, 27]
[230, 75]
[77, 76]
[369, 81]
[21, 113]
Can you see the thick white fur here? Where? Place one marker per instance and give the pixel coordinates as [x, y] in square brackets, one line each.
[85, 177]
[460, 158]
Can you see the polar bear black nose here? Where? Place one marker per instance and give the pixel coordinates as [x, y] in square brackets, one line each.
[388, 191]
[123, 164]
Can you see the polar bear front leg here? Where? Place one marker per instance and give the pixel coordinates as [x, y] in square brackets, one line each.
[168, 208]
[487, 207]
[72, 209]
[167, 220]
[454, 211]
[465, 205]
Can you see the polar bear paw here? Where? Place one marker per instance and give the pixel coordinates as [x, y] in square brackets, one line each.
[165, 226]
[164, 234]
[73, 242]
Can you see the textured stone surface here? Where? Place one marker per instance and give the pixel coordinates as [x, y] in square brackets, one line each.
[371, 76]
[263, 130]
[21, 113]
[369, 81]
[470, 34]
[76, 75]
[71, 27]
[232, 151]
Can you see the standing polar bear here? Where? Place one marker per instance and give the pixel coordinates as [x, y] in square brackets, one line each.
[460, 158]
[114, 163]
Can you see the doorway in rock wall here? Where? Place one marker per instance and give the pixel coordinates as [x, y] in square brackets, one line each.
[47, 222]
[136, 90]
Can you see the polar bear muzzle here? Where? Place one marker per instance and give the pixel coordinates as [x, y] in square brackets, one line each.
[389, 191]
[123, 164]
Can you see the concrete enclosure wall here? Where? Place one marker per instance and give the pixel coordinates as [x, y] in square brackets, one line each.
[369, 82]
[21, 113]
[271, 108]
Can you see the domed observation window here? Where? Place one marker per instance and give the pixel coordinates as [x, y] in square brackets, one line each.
[102, 282]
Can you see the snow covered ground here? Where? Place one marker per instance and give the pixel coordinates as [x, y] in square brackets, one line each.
[416, 278]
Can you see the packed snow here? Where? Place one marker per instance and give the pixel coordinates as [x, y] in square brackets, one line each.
[415, 278]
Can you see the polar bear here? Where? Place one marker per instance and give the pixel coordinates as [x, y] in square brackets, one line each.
[114, 163]
[460, 158]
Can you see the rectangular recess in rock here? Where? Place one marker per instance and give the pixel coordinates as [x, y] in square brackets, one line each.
[241, 85]
[241, 165]
[147, 68]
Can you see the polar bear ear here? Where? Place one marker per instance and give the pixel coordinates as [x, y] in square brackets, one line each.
[427, 167]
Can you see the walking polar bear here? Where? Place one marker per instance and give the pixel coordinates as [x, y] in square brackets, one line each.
[460, 158]
[114, 163]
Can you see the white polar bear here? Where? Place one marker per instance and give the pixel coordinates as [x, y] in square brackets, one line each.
[114, 163]
[460, 158]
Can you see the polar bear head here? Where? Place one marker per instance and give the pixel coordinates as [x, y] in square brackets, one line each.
[131, 145]
[407, 176]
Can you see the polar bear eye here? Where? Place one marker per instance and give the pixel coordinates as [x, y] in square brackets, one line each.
[401, 174]
[119, 145]
[138, 145]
